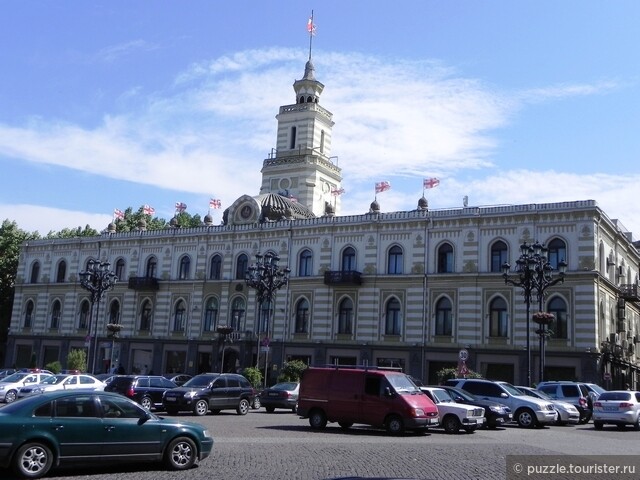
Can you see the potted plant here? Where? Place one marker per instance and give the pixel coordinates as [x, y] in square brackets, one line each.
[543, 318]
[113, 329]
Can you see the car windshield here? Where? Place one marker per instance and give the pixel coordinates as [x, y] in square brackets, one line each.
[284, 386]
[199, 381]
[511, 389]
[16, 377]
[536, 393]
[441, 396]
[596, 388]
[55, 380]
[402, 383]
[469, 397]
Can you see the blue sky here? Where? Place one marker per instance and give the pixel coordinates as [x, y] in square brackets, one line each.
[116, 104]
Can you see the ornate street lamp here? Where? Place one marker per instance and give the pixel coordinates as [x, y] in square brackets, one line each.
[97, 279]
[266, 277]
[534, 276]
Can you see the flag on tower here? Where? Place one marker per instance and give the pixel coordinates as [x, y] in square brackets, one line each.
[337, 191]
[215, 203]
[181, 207]
[382, 187]
[118, 214]
[430, 183]
[148, 210]
[311, 27]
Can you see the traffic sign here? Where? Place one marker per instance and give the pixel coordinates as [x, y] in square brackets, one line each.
[606, 376]
[463, 355]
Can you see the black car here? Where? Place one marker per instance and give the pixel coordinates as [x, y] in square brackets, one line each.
[178, 378]
[210, 391]
[147, 390]
[495, 414]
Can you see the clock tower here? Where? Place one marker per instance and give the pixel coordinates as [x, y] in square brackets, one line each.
[301, 166]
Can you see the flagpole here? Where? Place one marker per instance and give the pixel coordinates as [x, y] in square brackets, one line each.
[310, 35]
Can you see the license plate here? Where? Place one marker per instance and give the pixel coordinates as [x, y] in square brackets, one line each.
[273, 394]
[610, 409]
[170, 399]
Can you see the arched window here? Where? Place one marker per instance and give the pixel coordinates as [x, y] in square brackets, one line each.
[210, 315]
[114, 312]
[445, 258]
[35, 272]
[242, 263]
[559, 326]
[302, 316]
[305, 263]
[152, 265]
[444, 317]
[120, 269]
[395, 261]
[61, 274]
[557, 252]
[348, 259]
[146, 316]
[28, 314]
[499, 252]
[345, 316]
[179, 317]
[237, 313]
[498, 319]
[215, 270]
[84, 319]
[56, 311]
[393, 320]
[185, 265]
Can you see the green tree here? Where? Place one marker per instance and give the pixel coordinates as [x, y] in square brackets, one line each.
[77, 360]
[74, 232]
[11, 239]
[55, 367]
[254, 375]
[292, 371]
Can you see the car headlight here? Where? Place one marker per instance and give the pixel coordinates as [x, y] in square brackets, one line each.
[419, 412]
[496, 409]
[1, 388]
[190, 394]
[206, 433]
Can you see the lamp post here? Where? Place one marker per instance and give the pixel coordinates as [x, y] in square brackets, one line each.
[266, 277]
[97, 279]
[534, 276]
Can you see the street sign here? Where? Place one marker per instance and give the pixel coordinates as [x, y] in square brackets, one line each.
[606, 376]
[463, 355]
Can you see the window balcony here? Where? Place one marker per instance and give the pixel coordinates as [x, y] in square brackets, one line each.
[143, 283]
[629, 292]
[346, 278]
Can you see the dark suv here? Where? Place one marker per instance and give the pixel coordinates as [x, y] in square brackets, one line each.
[210, 391]
[147, 390]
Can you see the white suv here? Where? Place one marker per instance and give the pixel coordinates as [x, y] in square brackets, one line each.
[454, 416]
[527, 411]
[10, 385]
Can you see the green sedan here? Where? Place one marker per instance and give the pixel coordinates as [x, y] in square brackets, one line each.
[64, 428]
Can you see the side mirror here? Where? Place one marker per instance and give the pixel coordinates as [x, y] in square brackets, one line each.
[504, 395]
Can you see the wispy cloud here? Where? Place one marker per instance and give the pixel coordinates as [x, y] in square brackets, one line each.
[113, 53]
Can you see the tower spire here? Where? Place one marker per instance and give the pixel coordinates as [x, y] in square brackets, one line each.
[311, 28]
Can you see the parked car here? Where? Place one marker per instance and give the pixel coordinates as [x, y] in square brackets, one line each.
[178, 378]
[210, 391]
[105, 377]
[617, 407]
[10, 385]
[147, 390]
[567, 412]
[281, 395]
[6, 372]
[495, 413]
[579, 394]
[93, 428]
[528, 412]
[63, 382]
[372, 396]
[454, 416]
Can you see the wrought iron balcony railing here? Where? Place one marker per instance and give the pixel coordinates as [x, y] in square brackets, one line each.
[340, 277]
[143, 283]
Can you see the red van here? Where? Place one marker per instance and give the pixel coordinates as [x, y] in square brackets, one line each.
[368, 395]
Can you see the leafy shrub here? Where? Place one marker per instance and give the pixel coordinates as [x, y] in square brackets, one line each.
[452, 372]
[292, 371]
[54, 367]
[77, 360]
[254, 375]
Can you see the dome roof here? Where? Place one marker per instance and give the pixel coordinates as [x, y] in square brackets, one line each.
[278, 207]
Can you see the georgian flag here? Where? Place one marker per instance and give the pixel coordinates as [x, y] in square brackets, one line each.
[430, 183]
[118, 214]
[181, 207]
[148, 210]
[215, 203]
[382, 187]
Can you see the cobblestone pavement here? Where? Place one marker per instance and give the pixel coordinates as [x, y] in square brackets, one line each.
[282, 446]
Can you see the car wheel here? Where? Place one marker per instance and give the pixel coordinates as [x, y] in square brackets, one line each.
[636, 426]
[526, 418]
[243, 407]
[10, 396]
[201, 408]
[451, 424]
[394, 425]
[33, 460]
[345, 425]
[146, 403]
[256, 403]
[270, 409]
[317, 419]
[181, 454]
[598, 425]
